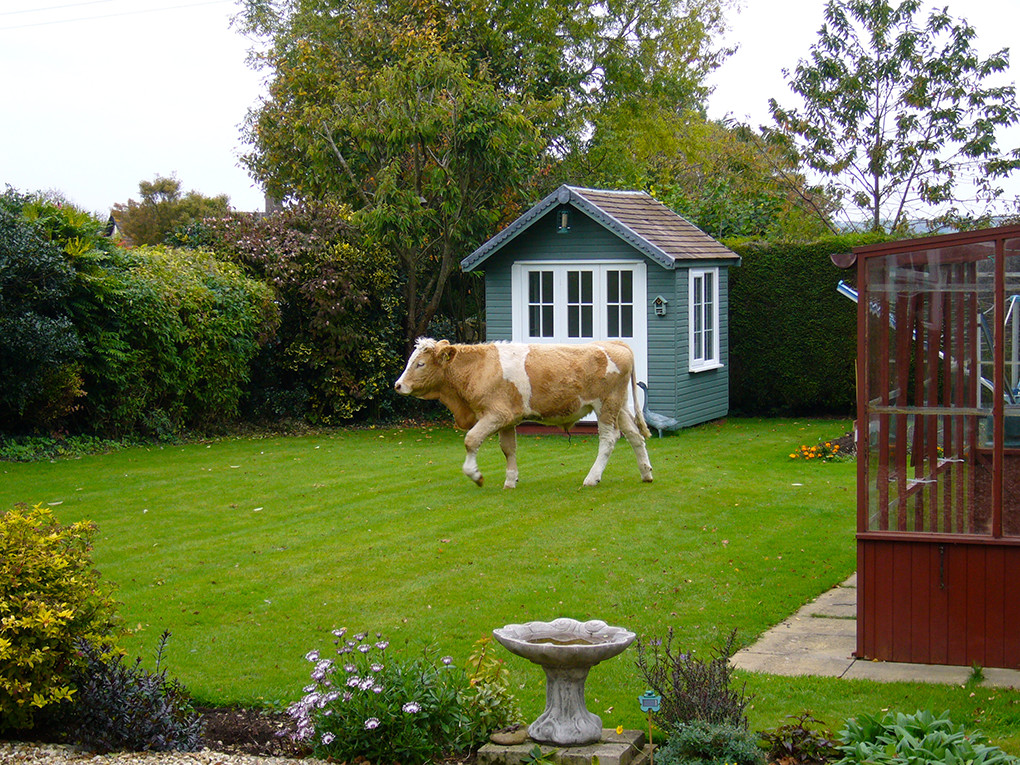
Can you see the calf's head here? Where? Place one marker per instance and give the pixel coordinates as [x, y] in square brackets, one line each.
[425, 370]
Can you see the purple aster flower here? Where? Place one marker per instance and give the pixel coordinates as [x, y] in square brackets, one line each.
[411, 707]
[312, 655]
[366, 683]
[350, 669]
[348, 696]
[447, 660]
[327, 738]
[364, 648]
[371, 723]
[376, 667]
[361, 636]
[377, 689]
[340, 632]
[382, 645]
[353, 681]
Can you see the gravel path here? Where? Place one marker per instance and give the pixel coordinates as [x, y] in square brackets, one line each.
[18, 753]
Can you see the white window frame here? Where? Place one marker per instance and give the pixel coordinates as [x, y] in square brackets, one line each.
[709, 356]
[519, 322]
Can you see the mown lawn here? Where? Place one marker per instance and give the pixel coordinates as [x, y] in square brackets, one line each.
[250, 550]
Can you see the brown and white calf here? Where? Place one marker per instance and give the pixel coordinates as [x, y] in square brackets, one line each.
[492, 387]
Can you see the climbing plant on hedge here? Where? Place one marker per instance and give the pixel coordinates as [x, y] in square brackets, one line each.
[793, 338]
[340, 343]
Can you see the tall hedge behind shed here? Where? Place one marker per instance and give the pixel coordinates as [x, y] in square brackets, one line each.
[793, 338]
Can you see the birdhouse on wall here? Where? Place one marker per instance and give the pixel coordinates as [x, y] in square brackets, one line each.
[660, 304]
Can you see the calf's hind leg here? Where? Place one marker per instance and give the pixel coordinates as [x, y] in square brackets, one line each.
[637, 442]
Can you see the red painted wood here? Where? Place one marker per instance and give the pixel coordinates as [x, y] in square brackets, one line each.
[904, 614]
[920, 603]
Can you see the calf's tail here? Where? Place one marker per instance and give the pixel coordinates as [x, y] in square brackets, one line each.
[639, 416]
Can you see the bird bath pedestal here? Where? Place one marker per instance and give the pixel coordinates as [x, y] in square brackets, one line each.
[567, 650]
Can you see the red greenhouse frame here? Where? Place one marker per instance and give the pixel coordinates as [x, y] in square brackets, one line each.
[938, 445]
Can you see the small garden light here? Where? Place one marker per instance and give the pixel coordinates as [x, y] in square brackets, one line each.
[650, 702]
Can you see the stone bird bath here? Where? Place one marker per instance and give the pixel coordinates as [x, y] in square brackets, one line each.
[567, 650]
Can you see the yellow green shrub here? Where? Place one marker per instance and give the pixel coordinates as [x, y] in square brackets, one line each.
[50, 598]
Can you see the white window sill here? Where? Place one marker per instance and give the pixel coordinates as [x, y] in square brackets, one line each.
[705, 367]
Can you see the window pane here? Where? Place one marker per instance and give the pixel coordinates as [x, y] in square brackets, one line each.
[613, 286]
[534, 321]
[587, 287]
[534, 286]
[573, 321]
[547, 321]
[626, 286]
[547, 286]
[573, 286]
[626, 321]
[587, 320]
[612, 321]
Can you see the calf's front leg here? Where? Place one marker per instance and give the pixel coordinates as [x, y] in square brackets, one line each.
[508, 443]
[481, 430]
[608, 436]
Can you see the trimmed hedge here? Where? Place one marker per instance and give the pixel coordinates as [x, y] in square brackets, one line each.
[793, 338]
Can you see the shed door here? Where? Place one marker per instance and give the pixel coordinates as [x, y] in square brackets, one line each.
[579, 302]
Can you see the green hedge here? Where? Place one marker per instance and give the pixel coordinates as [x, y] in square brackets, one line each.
[793, 338]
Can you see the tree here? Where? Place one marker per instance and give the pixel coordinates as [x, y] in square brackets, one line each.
[722, 177]
[163, 209]
[897, 114]
[430, 120]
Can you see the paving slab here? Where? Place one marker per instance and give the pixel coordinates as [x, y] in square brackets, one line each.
[627, 748]
[821, 637]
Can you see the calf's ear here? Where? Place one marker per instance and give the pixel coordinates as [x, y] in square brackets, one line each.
[444, 352]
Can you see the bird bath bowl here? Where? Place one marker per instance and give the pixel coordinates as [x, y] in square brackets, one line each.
[567, 650]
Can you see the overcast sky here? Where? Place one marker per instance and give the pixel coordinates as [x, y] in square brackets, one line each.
[97, 95]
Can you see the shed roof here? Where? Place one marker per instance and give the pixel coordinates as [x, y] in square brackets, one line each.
[634, 216]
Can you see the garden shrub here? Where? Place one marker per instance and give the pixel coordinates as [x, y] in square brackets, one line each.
[370, 704]
[170, 337]
[692, 689]
[901, 739]
[38, 341]
[120, 706]
[793, 338]
[51, 599]
[703, 743]
[799, 742]
[340, 342]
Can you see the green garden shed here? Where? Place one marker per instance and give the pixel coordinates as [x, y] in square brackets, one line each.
[589, 264]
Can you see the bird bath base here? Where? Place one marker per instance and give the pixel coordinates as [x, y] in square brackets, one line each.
[567, 650]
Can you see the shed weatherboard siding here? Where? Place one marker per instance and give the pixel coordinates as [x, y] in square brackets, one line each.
[704, 395]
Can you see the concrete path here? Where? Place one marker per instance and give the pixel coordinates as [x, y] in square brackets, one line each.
[821, 637]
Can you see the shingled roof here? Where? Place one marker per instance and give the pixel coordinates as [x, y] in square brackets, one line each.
[634, 216]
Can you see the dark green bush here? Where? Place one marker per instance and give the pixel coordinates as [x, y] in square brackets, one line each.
[704, 743]
[38, 341]
[692, 689]
[120, 706]
[793, 338]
